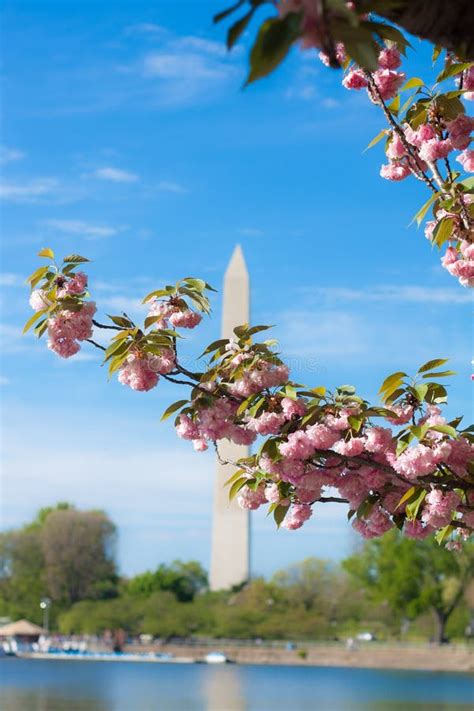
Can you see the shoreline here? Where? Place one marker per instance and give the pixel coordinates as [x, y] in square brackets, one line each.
[455, 658]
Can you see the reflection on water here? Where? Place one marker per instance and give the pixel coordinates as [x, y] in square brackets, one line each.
[223, 689]
[37, 685]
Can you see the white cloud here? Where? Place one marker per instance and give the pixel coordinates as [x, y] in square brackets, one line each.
[392, 293]
[29, 192]
[10, 279]
[119, 303]
[145, 28]
[250, 232]
[115, 175]
[324, 336]
[4, 380]
[167, 186]
[9, 155]
[307, 92]
[79, 227]
[183, 67]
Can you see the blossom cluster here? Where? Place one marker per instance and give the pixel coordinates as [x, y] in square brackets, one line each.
[413, 472]
[66, 326]
[321, 444]
[421, 149]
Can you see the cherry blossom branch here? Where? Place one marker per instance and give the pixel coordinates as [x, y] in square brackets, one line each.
[396, 127]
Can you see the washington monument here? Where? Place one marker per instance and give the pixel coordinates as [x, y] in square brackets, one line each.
[230, 552]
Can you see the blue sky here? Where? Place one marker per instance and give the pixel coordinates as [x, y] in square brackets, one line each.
[127, 137]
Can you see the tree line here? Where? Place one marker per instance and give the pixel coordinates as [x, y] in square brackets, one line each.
[393, 586]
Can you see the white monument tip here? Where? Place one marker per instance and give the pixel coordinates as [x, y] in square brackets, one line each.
[237, 266]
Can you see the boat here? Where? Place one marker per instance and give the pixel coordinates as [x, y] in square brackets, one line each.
[74, 655]
[216, 658]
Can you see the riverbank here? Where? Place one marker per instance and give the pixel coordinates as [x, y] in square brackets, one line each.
[445, 658]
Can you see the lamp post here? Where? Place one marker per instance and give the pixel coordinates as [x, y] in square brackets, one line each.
[45, 604]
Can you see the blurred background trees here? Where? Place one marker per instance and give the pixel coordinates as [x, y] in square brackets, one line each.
[393, 587]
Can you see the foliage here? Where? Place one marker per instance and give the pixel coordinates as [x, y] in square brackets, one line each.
[418, 477]
[184, 580]
[64, 554]
[413, 577]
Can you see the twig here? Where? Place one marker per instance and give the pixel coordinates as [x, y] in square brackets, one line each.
[97, 345]
[103, 325]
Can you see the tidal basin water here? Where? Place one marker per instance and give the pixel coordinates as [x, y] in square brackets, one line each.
[50, 685]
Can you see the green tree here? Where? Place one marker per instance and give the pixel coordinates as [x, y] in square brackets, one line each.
[413, 576]
[65, 554]
[184, 580]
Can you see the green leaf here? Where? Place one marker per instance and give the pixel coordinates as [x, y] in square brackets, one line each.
[421, 390]
[388, 32]
[237, 486]
[412, 83]
[377, 138]
[442, 231]
[445, 429]
[403, 442]
[236, 475]
[273, 43]
[355, 422]
[225, 13]
[451, 70]
[36, 316]
[238, 28]
[75, 259]
[46, 252]
[394, 106]
[37, 275]
[172, 408]
[395, 379]
[279, 514]
[449, 108]
[41, 327]
[413, 507]
[430, 364]
[436, 394]
[436, 52]
[256, 329]
[421, 214]
[121, 321]
[440, 374]
[117, 348]
[159, 293]
[406, 496]
[444, 533]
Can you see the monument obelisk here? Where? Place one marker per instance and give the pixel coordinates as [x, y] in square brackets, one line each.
[230, 551]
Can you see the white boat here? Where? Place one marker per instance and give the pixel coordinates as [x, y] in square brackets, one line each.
[215, 658]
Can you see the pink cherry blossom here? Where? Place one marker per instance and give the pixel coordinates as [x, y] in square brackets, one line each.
[293, 408]
[137, 374]
[439, 508]
[297, 516]
[395, 149]
[298, 446]
[187, 429]
[267, 423]
[395, 171]
[185, 319]
[459, 130]
[39, 300]
[389, 58]
[77, 284]
[466, 158]
[388, 83]
[355, 79]
[435, 149]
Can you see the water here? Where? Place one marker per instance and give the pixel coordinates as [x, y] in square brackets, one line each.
[37, 685]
